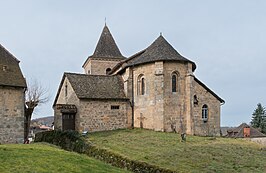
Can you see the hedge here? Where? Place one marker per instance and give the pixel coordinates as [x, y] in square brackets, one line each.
[74, 141]
[68, 140]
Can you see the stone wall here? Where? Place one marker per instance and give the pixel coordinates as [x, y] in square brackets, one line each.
[261, 140]
[127, 78]
[65, 97]
[99, 116]
[163, 110]
[99, 66]
[176, 103]
[147, 106]
[92, 115]
[212, 126]
[12, 101]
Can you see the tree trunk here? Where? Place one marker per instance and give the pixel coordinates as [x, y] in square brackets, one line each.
[27, 120]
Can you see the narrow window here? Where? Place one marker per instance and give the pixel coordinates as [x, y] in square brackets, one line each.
[174, 83]
[205, 113]
[89, 72]
[195, 100]
[114, 107]
[142, 86]
[107, 70]
[66, 90]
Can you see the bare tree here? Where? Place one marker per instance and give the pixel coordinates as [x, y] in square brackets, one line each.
[35, 95]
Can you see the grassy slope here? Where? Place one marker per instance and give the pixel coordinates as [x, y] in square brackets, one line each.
[198, 154]
[46, 158]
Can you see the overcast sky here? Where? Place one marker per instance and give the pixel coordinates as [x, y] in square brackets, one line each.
[226, 39]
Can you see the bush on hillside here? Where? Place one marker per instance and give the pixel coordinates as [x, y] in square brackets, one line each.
[68, 140]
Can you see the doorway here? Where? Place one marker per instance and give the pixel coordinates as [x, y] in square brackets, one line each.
[68, 121]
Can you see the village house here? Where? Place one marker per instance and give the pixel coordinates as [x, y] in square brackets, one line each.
[154, 89]
[244, 131]
[12, 99]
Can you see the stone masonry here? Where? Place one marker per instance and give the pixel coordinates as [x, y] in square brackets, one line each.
[97, 66]
[158, 90]
[12, 115]
[92, 115]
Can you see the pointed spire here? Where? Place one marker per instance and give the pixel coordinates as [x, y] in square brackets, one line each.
[106, 46]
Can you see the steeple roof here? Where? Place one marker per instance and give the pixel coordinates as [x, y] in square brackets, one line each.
[106, 46]
[159, 50]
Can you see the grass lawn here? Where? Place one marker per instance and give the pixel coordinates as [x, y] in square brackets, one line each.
[47, 158]
[197, 154]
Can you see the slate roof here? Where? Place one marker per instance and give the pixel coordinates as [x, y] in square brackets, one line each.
[159, 50]
[10, 73]
[106, 47]
[95, 86]
[238, 132]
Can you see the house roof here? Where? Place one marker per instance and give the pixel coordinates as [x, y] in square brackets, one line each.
[208, 89]
[238, 132]
[10, 73]
[106, 47]
[95, 86]
[159, 50]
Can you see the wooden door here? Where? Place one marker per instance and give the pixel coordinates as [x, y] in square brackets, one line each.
[68, 121]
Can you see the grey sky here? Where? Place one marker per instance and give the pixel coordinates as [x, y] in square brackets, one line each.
[226, 39]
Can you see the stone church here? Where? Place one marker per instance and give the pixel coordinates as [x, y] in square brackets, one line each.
[153, 89]
[12, 99]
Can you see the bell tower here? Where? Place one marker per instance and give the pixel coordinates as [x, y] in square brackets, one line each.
[105, 56]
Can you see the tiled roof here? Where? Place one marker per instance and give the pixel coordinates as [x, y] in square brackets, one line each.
[159, 50]
[10, 73]
[96, 86]
[238, 132]
[106, 47]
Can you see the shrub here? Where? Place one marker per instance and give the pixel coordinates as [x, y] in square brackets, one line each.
[68, 140]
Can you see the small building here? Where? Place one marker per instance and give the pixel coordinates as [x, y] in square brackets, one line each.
[244, 131]
[12, 98]
[154, 89]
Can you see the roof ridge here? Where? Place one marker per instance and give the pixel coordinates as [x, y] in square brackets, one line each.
[82, 74]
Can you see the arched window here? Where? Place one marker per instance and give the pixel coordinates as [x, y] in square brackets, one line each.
[107, 70]
[174, 78]
[174, 81]
[205, 113]
[141, 85]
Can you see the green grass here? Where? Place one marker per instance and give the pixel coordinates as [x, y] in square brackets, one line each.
[198, 154]
[43, 157]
